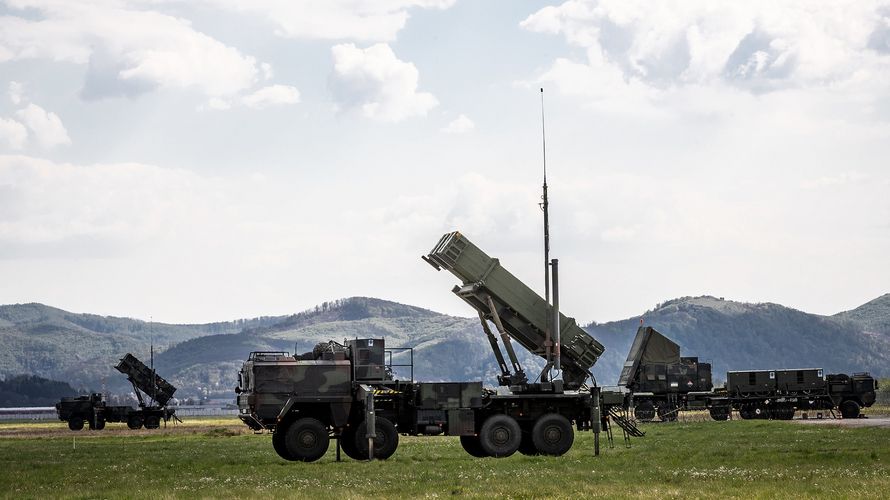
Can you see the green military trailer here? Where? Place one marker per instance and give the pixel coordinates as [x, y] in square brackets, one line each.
[350, 391]
[778, 394]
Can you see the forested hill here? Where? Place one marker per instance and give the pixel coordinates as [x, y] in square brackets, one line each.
[80, 348]
[203, 359]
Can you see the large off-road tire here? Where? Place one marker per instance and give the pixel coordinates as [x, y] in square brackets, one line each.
[385, 443]
[98, 424]
[500, 436]
[645, 411]
[746, 412]
[667, 413]
[759, 412]
[527, 445]
[279, 445]
[784, 413]
[306, 440]
[152, 422]
[473, 446]
[347, 444]
[134, 422]
[850, 409]
[719, 413]
[75, 423]
[553, 435]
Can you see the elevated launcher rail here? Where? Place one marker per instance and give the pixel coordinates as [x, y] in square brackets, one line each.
[146, 380]
[515, 309]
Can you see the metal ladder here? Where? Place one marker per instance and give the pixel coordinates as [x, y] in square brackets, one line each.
[621, 418]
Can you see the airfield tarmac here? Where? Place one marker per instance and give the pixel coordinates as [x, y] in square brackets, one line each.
[881, 421]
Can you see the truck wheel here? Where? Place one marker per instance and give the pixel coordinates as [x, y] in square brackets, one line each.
[279, 445]
[785, 413]
[746, 412]
[347, 444]
[500, 436]
[850, 409]
[527, 444]
[759, 412]
[718, 413]
[645, 411]
[152, 422]
[134, 422]
[473, 446]
[307, 440]
[385, 443]
[75, 423]
[667, 413]
[97, 425]
[553, 435]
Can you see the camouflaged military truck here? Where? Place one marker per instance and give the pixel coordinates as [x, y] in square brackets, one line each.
[334, 391]
[349, 391]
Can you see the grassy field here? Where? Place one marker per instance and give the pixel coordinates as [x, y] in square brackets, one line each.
[211, 458]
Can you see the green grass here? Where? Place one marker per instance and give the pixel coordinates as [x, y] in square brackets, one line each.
[216, 458]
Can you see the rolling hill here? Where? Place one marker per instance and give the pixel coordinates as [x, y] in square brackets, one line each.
[204, 359]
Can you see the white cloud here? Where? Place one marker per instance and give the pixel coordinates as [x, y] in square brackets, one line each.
[360, 20]
[272, 95]
[128, 50]
[46, 125]
[13, 133]
[268, 73]
[459, 125]
[16, 92]
[376, 82]
[218, 104]
[644, 52]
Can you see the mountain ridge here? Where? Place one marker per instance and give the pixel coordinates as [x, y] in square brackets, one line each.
[203, 359]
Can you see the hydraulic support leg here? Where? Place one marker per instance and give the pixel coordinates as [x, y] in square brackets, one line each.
[505, 372]
[505, 338]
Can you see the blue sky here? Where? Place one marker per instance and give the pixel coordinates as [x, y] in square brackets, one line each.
[198, 161]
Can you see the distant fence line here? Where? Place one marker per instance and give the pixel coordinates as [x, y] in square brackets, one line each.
[49, 412]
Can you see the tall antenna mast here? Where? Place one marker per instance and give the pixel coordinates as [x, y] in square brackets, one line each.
[545, 206]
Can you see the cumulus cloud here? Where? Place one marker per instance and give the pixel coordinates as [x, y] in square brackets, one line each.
[46, 126]
[13, 134]
[377, 83]
[359, 20]
[272, 95]
[638, 47]
[127, 49]
[16, 92]
[460, 125]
